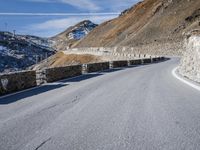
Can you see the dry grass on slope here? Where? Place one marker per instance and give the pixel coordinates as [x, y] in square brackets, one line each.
[114, 31]
[150, 22]
[60, 59]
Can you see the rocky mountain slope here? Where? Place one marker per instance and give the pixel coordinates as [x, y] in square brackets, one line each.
[72, 35]
[17, 52]
[148, 24]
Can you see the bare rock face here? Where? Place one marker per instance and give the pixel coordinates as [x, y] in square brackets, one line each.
[190, 63]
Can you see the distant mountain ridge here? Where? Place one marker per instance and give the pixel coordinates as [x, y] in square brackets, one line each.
[73, 34]
[17, 52]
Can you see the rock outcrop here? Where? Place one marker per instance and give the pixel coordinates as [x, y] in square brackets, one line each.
[190, 63]
[73, 34]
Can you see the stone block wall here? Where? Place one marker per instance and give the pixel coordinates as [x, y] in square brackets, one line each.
[135, 62]
[17, 81]
[97, 67]
[59, 73]
[23, 80]
[146, 61]
[117, 64]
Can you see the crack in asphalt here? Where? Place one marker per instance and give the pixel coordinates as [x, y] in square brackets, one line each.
[45, 109]
[66, 103]
[39, 146]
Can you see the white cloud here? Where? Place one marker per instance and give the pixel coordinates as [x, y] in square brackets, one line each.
[116, 5]
[67, 22]
[82, 4]
[95, 5]
[54, 26]
[59, 14]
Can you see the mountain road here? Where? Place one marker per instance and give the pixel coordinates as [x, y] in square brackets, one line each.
[133, 108]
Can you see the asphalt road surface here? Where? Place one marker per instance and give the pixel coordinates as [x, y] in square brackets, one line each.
[136, 108]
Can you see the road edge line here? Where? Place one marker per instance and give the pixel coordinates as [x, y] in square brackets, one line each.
[184, 80]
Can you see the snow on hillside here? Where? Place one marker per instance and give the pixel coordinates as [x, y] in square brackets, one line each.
[81, 30]
[2, 48]
[17, 52]
[72, 35]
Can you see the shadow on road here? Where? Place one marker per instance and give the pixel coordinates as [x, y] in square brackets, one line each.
[42, 89]
[24, 94]
[82, 77]
[112, 70]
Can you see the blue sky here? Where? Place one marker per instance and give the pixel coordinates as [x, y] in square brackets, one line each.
[48, 17]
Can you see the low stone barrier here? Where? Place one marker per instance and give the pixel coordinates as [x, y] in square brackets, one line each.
[135, 62]
[17, 81]
[23, 80]
[59, 73]
[97, 67]
[157, 59]
[147, 60]
[117, 64]
[162, 58]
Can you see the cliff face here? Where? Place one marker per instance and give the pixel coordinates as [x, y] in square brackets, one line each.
[190, 63]
[148, 22]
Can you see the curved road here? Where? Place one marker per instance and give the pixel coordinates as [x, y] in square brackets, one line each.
[137, 108]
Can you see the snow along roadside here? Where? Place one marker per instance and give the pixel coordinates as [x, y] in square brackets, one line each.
[184, 80]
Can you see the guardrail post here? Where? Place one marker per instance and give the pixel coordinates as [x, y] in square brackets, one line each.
[111, 64]
[142, 61]
[41, 77]
[84, 69]
[151, 59]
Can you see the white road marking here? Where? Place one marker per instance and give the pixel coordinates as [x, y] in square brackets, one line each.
[184, 81]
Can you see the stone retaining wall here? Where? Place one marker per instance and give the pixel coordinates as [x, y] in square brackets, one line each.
[23, 80]
[147, 61]
[17, 81]
[59, 73]
[117, 64]
[135, 62]
[170, 48]
[97, 67]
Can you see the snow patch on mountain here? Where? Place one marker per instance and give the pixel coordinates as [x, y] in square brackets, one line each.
[72, 35]
[17, 52]
[81, 30]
